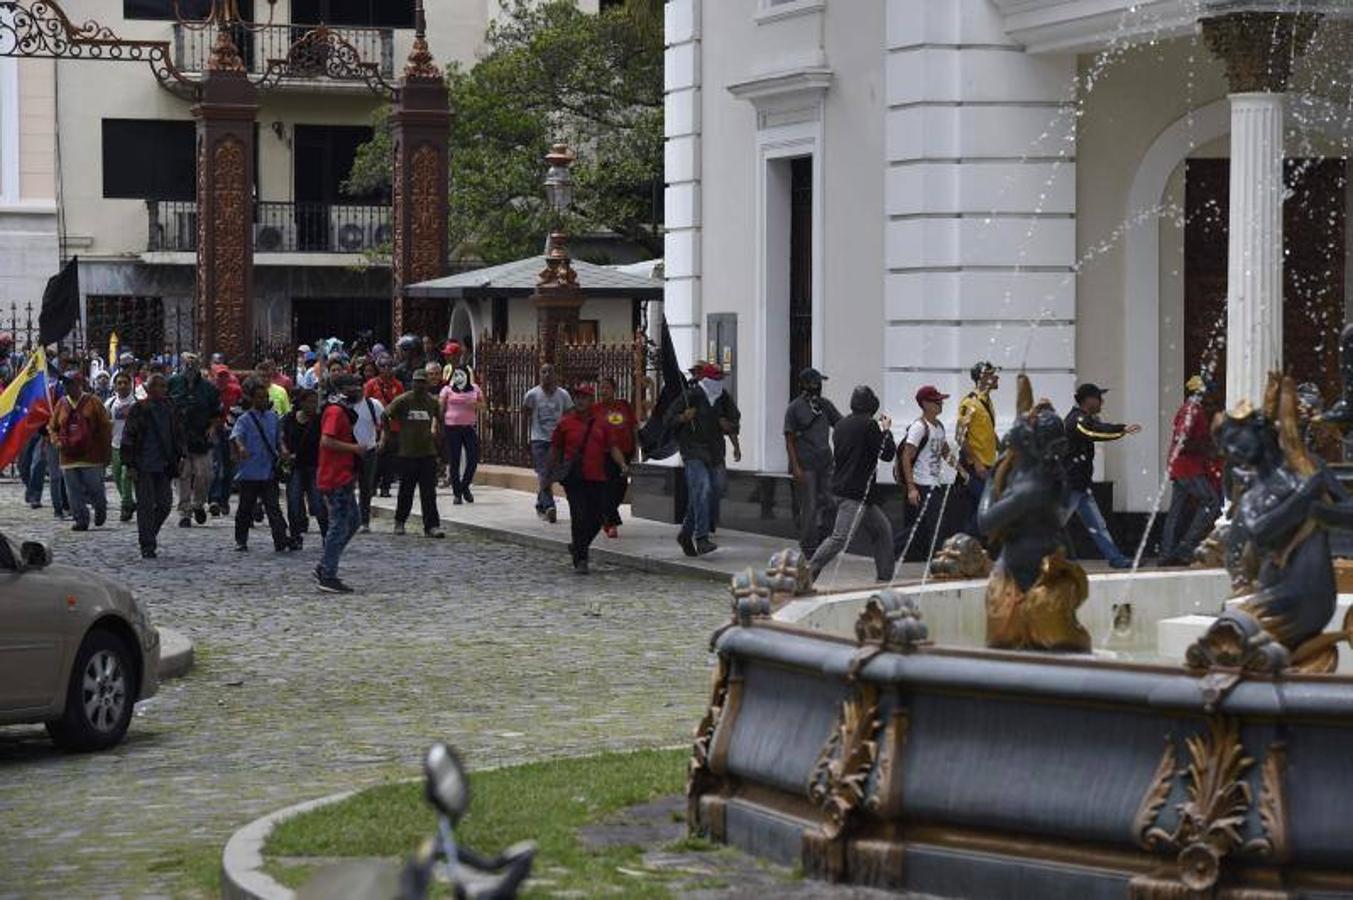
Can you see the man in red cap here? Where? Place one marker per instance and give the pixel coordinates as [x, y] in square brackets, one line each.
[920, 473]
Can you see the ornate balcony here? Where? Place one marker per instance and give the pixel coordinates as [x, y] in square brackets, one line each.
[278, 227]
[260, 44]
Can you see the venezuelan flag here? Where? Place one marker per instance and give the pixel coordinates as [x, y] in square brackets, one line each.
[24, 408]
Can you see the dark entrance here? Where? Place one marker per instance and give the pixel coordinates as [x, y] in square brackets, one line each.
[323, 159]
[138, 321]
[352, 319]
[1313, 281]
[800, 269]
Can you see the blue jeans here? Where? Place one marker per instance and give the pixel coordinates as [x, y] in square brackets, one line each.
[222, 470]
[302, 495]
[84, 488]
[718, 478]
[540, 458]
[28, 461]
[343, 521]
[461, 439]
[699, 487]
[1083, 503]
[50, 462]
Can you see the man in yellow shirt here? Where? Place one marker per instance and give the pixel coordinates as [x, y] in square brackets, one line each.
[976, 435]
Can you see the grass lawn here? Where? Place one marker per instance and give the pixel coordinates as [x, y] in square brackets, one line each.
[545, 802]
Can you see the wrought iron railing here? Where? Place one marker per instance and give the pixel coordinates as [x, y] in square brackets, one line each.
[279, 227]
[260, 44]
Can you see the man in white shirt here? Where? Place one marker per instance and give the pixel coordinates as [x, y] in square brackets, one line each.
[119, 408]
[367, 433]
[920, 472]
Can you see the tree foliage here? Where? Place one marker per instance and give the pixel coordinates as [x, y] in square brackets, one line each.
[550, 73]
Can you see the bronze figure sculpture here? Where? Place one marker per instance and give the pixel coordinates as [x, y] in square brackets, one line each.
[1034, 591]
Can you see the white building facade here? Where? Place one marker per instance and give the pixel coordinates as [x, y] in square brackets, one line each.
[892, 191]
[28, 222]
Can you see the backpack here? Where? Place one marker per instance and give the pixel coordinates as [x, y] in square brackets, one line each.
[897, 463]
[75, 432]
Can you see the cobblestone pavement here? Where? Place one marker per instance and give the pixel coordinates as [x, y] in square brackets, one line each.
[497, 647]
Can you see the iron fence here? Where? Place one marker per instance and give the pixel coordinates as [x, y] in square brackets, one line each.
[261, 44]
[279, 227]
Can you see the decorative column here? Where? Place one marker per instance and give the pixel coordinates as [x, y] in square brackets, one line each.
[557, 300]
[1258, 50]
[422, 134]
[225, 113]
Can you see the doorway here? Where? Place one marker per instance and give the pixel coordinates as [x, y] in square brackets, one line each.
[800, 269]
[352, 319]
[323, 159]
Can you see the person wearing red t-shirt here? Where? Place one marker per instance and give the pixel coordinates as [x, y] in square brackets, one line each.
[618, 417]
[581, 438]
[1194, 471]
[385, 387]
[339, 458]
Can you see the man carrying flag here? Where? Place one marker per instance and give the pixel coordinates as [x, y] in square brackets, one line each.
[24, 407]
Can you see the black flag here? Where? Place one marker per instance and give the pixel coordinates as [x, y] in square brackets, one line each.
[655, 438]
[60, 304]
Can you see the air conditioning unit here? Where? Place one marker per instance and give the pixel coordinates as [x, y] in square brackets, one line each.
[274, 237]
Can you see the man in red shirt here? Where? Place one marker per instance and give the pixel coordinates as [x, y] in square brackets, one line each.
[339, 458]
[385, 387]
[582, 439]
[618, 417]
[1195, 475]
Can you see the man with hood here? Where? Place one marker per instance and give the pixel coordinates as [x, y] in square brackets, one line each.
[198, 406]
[809, 421]
[862, 440]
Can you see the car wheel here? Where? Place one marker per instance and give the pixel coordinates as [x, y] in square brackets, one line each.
[100, 697]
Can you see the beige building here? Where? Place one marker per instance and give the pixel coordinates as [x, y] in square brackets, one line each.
[28, 221]
[127, 169]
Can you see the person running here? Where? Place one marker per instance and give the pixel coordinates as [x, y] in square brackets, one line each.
[545, 404]
[152, 446]
[300, 430]
[862, 439]
[582, 440]
[920, 472]
[618, 417]
[198, 405]
[461, 401]
[809, 421]
[119, 407]
[340, 462]
[418, 416]
[700, 438]
[384, 388]
[1195, 476]
[976, 436]
[1083, 430]
[258, 454]
[82, 433]
[367, 430]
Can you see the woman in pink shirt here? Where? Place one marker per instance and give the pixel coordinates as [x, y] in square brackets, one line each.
[461, 401]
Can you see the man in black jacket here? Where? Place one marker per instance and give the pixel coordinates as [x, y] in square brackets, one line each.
[1083, 431]
[153, 445]
[860, 442]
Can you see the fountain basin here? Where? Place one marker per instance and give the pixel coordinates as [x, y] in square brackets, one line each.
[964, 772]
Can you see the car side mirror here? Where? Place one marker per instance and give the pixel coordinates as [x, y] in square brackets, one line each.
[35, 555]
[448, 789]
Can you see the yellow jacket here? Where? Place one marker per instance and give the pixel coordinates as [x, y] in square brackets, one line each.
[977, 428]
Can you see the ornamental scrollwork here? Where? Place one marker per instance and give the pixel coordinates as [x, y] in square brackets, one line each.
[839, 782]
[323, 52]
[230, 201]
[428, 225]
[699, 776]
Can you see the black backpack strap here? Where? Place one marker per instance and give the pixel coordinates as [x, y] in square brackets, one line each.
[267, 444]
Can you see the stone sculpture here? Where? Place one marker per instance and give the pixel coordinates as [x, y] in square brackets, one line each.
[1278, 538]
[962, 556]
[1034, 591]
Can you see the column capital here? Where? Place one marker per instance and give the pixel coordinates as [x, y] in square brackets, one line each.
[1258, 48]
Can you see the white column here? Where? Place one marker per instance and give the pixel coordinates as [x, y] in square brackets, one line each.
[1254, 302]
[682, 164]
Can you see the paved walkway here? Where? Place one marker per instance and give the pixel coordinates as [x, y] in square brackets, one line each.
[643, 543]
[495, 646]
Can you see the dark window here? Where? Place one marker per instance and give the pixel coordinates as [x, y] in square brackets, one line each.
[164, 9]
[800, 269]
[138, 321]
[149, 159]
[382, 13]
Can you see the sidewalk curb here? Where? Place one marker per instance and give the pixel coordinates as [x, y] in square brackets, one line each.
[176, 653]
[242, 876]
[596, 553]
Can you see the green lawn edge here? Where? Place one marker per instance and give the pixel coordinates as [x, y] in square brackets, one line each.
[546, 802]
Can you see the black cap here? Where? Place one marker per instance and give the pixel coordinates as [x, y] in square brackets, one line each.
[811, 374]
[1089, 390]
[345, 381]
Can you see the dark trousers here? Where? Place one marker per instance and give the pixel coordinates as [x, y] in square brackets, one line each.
[222, 469]
[616, 485]
[302, 495]
[386, 465]
[975, 488]
[32, 452]
[462, 439]
[921, 523]
[1206, 507]
[586, 506]
[817, 508]
[418, 472]
[366, 484]
[251, 494]
[154, 500]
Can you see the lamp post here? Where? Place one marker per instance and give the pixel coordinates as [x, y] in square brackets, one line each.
[558, 298]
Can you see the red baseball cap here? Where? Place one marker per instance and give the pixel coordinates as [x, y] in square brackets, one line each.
[930, 394]
[712, 371]
[451, 347]
[584, 390]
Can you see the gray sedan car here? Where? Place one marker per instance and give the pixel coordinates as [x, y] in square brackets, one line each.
[76, 651]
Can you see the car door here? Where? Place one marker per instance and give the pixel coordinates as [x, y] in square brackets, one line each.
[32, 625]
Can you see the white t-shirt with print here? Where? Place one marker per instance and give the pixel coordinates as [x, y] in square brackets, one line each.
[928, 467]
